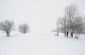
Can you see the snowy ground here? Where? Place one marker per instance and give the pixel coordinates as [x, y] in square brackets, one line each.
[41, 44]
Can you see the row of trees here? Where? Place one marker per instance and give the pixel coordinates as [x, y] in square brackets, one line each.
[7, 26]
[71, 23]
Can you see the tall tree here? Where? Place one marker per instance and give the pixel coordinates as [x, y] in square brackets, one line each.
[72, 21]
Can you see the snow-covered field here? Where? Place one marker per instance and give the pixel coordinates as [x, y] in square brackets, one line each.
[41, 16]
[41, 44]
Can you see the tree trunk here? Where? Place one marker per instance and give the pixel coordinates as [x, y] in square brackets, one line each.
[67, 34]
[77, 35]
[57, 29]
[64, 34]
[8, 33]
[72, 34]
[57, 34]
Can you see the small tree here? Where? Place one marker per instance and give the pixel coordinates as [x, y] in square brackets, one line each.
[7, 26]
[23, 28]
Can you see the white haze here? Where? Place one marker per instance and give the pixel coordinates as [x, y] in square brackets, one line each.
[41, 15]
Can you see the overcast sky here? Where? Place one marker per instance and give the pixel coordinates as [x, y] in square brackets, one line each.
[41, 15]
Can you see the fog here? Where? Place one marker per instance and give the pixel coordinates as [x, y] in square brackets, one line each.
[41, 15]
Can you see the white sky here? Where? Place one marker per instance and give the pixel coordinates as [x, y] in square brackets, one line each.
[41, 15]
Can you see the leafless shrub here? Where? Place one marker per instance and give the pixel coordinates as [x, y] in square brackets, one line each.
[24, 28]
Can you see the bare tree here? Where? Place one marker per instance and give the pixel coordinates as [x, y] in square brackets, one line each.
[78, 25]
[23, 28]
[70, 14]
[64, 27]
[71, 21]
[58, 26]
[7, 26]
